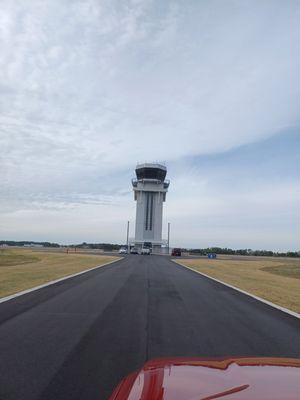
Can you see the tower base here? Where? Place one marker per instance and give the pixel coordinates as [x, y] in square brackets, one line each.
[156, 247]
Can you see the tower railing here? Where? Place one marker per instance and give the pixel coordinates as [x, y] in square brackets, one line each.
[135, 181]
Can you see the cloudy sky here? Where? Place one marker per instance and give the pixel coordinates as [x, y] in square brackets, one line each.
[90, 87]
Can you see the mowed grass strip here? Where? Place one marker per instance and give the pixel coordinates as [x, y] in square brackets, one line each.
[276, 280]
[24, 269]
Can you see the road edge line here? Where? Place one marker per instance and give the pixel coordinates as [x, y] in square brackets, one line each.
[13, 296]
[269, 303]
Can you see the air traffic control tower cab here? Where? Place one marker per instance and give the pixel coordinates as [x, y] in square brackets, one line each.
[150, 188]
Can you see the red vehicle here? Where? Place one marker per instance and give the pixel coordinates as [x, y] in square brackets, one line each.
[206, 379]
[176, 252]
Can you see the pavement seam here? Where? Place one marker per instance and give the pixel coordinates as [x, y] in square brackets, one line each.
[269, 303]
[13, 296]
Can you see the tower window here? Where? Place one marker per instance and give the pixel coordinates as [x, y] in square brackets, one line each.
[149, 211]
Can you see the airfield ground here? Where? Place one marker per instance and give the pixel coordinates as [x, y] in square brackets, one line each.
[21, 269]
[77, 339]
[274, 279]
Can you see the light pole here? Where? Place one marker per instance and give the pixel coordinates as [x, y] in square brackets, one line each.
[169, 237]
[127, 241]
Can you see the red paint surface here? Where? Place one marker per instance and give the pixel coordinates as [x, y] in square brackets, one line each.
[205, 379]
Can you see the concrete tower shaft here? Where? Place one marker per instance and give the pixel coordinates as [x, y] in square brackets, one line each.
[150, 188]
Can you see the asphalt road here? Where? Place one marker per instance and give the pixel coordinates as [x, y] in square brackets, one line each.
[78, 338]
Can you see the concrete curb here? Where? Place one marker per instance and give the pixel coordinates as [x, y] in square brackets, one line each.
[269, 303]
[13, 296]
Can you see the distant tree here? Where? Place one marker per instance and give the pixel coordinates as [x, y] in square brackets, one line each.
[244, 252]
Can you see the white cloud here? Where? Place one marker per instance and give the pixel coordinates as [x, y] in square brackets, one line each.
[88, 88]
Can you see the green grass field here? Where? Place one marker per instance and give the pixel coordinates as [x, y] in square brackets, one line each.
[289, 270]
[22, 269]
[274, 279]
[11, 258]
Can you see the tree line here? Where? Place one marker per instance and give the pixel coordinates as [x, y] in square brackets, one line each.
[200, 251]
[97, 246]
[84, 245]
[27, 242]
[244, 252]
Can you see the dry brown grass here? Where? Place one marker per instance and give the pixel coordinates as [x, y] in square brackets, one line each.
[23, 269]
[274, 279]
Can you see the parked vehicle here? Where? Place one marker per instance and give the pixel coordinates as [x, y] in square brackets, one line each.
[134, 250]
[176, 252]
[123, 250]
[145, 251]
[147, 245]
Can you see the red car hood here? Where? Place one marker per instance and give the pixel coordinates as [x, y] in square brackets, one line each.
[203, 379]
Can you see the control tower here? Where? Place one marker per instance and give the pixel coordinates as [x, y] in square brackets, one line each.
[150, 188]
